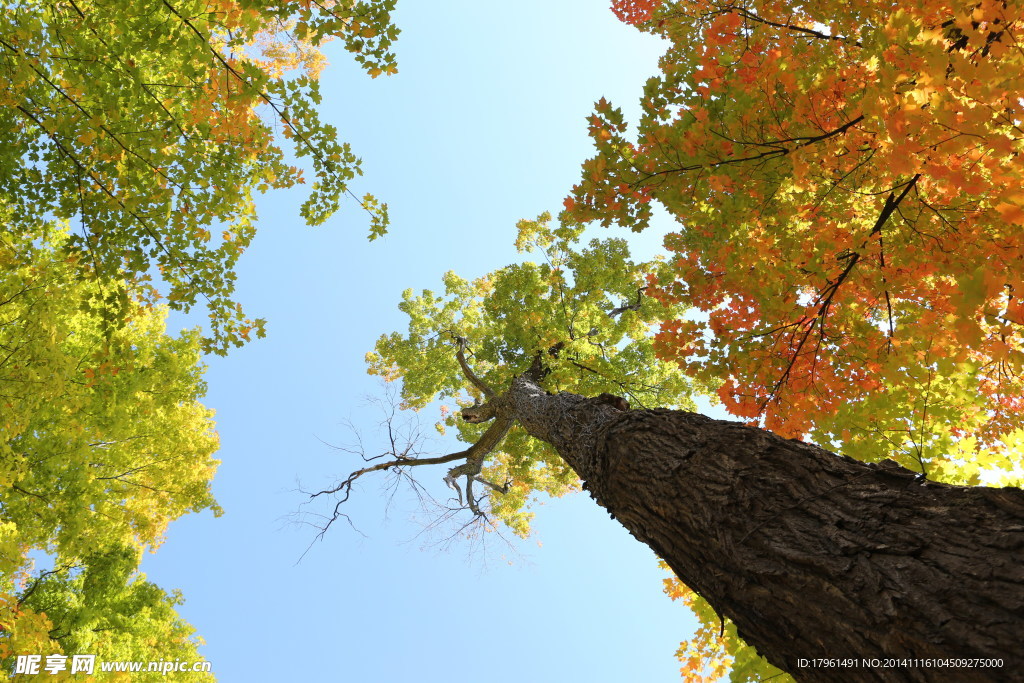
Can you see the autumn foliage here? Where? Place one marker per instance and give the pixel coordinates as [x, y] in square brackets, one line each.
[846, 181]
[847, 191]
[634, 12]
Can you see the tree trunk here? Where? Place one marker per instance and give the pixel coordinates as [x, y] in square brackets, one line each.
[811, 554]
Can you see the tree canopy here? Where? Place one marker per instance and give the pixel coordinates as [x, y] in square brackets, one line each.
[153, 126]
[838, 176]
[134, 139]
[845, 267]
[104, 443]
[576, 318]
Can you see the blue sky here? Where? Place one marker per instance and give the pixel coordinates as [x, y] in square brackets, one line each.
[483, 125]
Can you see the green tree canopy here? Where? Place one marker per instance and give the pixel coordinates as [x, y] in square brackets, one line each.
[133, 139]
[101, 606]
[153, 125]
[103, 442]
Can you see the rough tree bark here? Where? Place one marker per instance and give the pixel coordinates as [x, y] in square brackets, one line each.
[809, 553]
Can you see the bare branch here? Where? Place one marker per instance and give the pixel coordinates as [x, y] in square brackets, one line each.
[345, 487]
[42, 577]
[401, 459]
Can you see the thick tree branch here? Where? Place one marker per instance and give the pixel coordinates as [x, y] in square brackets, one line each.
[480, 413]
[475, 461]
[635, 306]
[460, 355]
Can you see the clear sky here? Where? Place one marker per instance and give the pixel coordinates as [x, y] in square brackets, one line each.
[483, 125]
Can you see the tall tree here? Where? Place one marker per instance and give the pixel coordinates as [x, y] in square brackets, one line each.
[581, 312]
[846, 185]
[153, 125]
[807, 553]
